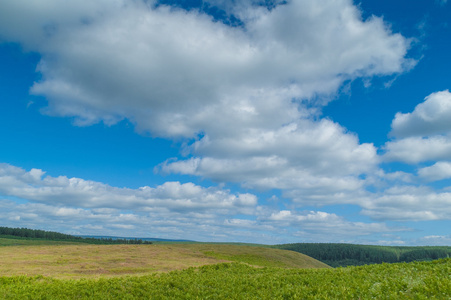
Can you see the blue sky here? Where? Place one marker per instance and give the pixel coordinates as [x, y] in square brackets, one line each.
[232, 121]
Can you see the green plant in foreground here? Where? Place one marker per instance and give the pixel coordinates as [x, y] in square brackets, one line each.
[418, 280]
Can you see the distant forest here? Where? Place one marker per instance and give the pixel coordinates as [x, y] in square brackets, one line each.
[25, 233]
[340, 255]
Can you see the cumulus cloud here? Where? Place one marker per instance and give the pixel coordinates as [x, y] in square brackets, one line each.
[438, 171]
[171, 210]
[308, 158]
[409, 203]
[430, 117]
[397, 176]
[417, 149]
[77, 206]
[76, 192]
[424, 134]
[246, 100]
[248, 95]
[169, 70]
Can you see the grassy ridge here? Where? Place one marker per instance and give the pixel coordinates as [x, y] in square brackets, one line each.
[417, 280]
[83, 260]
[255, 255]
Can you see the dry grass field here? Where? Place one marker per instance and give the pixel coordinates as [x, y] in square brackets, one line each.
[93, 261]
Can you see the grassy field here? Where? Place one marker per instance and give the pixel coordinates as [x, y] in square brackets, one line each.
[417, 280]
[90, 261]
[204, 271]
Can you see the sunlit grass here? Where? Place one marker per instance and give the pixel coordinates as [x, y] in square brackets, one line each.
[87, 261]
[418, 280]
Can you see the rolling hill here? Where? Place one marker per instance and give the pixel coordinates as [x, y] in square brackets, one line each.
[340, 255]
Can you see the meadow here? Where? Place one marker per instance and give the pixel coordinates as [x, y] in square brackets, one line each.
[204, 271]
[418, 280]
[91, 261]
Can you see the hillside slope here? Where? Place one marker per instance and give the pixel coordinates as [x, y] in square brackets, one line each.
[337, 255]
[82, 260]
[417, 280]
[255, 255]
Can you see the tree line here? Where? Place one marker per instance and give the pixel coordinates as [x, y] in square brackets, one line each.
[338, 255]
[56, 236]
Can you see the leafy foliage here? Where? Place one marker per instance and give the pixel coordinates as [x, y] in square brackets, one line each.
[340, 255]
[416, 280]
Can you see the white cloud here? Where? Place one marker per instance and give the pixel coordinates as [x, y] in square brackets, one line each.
[171, 210]
[77, 206]
[430, 117]
[275, 227]
[244, 89]
[169, 70]
[306, 157]
[424, 134]
[32, 22]
[438, 171]
[76, 192]
[326, 226]
[409, 203]
[397, 176]
[249, 99]
[417, 149]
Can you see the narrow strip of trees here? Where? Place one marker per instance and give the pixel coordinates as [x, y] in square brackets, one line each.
[56, 236]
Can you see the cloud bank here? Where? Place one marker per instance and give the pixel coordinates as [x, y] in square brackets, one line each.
[76, 192]
[171, 210]
[245, 101]
[176, 73]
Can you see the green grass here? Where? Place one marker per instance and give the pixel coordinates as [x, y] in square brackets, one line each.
[259, 256]
[417, 280]
[204, 271]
